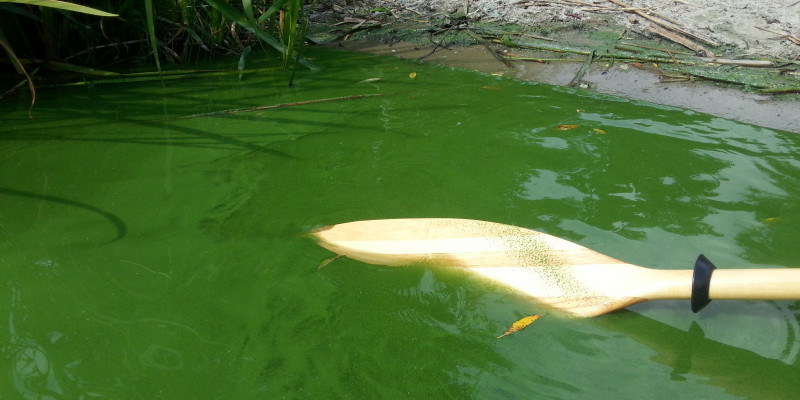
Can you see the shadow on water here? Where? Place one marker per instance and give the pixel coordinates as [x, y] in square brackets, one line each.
[118, 223]
[690, 354]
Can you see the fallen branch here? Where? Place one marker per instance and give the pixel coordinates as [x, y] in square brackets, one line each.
[795, 89]
[781, 35]
[541, 46]
[698, 49]
[282, 105]
[514, 57]
[624, 45]
[530, 36]
[665, 24]
[739, 63]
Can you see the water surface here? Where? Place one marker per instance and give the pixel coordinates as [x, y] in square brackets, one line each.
[144, 255]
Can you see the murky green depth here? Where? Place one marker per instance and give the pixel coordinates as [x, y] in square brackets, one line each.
[148, 257]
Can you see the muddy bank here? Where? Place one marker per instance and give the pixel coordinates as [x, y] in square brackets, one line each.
[674, 54]
[620, 79]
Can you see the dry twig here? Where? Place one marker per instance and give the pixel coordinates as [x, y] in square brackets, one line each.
[781, 35]
[680, 40]
[669, 25]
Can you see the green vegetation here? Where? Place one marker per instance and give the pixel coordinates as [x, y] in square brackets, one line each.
[99, 36]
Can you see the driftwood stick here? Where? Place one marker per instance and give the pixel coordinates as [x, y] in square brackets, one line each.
[665, 50]
[782, 35]
[665, 24]
[740, 63]
[680, 40]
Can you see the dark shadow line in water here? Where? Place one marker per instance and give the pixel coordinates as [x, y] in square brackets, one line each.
[219, 138]
[193, 137]
[122, 228]
[177, 142]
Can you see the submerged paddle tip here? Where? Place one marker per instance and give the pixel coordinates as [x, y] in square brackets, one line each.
[315, 232]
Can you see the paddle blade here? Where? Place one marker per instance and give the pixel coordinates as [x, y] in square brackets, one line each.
[555, 272]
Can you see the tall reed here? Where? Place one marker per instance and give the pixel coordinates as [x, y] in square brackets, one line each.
[50, 35]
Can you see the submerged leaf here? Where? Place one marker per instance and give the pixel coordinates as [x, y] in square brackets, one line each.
[566, 127]
[324, 263]
[600, 131]
[243, 61]
[368, 80]
[521, 324]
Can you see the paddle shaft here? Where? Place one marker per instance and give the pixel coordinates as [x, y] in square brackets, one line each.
[657, 284]
[755, 284]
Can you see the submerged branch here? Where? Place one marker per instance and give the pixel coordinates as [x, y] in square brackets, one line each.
[282, 105]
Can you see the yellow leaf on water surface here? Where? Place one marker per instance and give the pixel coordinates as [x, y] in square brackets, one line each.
[412, 75]
[566, 127]
[600, 131]
[521, 324]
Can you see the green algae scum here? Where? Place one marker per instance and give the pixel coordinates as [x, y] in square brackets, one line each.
[146, 255]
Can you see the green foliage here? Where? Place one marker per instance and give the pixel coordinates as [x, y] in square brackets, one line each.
[91, 35]
[151, 31]
[293, 26]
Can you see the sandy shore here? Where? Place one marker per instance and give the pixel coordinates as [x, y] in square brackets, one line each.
[732, 29]
[743, 27]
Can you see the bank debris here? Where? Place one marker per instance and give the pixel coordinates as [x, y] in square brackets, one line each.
[581, 33]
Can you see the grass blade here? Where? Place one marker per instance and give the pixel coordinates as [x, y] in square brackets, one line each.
[151, 31]
[243, 61]
[63, 5]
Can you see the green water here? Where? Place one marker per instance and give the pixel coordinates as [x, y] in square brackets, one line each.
[148, 257]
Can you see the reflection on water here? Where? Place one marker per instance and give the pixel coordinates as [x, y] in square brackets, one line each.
[148, 256]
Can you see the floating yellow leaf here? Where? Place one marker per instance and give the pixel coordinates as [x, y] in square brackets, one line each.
[412, 75]
[770, 221]
[521, 324]
[566, 127]
[600, 131]
[580, 110]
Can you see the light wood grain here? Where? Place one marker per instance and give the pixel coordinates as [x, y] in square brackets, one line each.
[552, 271]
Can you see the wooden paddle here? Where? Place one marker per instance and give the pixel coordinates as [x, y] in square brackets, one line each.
[553, 271]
